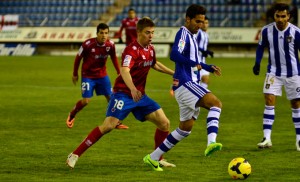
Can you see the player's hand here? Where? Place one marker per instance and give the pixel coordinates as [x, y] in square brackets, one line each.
[120, 40]
[211, 53]
[75, 79]
[136, 95]
[217, 70]
[256, 69]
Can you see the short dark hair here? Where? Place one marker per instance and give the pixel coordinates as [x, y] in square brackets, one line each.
[102, 26]
[144, 22]
[131, 9]
[281, 7]
[194, 10]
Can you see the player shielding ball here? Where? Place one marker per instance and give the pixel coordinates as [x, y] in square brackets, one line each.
[129, 94]
[189, 94]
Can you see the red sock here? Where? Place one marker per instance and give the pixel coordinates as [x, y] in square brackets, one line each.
[77, 108]
[159, 137]
[92, 138]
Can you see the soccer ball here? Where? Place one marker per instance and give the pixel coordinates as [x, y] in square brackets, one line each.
[239, 168]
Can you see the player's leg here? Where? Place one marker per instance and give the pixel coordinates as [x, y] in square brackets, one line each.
[268, 120]
[162, 131]
[87, 88]
[204, 78]
[103, 87]
[172, 139]
[214, 105]
[108, 125]
[118, 108]
[188, 113]
[292, 92]
[272, 88]
[296, 120]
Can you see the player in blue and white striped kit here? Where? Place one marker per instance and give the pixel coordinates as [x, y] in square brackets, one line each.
[188, 93]
[283, 42]
[202, 40]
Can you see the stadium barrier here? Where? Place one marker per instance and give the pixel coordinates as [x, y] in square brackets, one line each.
[164, 37]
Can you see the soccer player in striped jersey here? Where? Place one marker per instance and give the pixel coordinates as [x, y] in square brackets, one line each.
[189, 94]
[202, 40]
[94, 53]
[283, 42]
[129, 93]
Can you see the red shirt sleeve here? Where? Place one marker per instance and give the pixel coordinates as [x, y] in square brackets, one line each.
[114, 59]
[77, 61]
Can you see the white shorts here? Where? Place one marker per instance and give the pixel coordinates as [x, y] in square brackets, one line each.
[273, 85]
[187, 96]
[203, 72]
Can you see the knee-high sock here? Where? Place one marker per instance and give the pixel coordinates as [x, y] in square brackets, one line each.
[78, 107]
[159, 137]
[268, 120]
[172, 139]
[212, 124]
[296, 120]
[91, 139]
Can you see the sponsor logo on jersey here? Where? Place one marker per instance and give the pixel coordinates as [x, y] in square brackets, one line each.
[289, 39]
[127, 60]
[181, 44]
[107, 49]
[148, 63]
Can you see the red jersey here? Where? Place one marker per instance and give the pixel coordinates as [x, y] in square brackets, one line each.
[130, 29]
[94, 58]
[139, 60]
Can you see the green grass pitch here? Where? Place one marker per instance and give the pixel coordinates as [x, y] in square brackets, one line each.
[36, 94]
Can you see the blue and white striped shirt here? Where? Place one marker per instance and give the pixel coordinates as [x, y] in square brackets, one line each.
[283, 49]
[202, 40]
[186, 56]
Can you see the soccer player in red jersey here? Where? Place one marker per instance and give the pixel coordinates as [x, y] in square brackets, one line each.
[129, 93]
[94, 53]
[129, 24]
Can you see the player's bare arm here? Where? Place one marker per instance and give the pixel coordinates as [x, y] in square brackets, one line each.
[162, 68]
[75, 79]
[125, 73]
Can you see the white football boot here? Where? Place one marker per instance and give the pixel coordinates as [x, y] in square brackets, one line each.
[264, 144]
[164, 163]
[298, 145]
[71, 160]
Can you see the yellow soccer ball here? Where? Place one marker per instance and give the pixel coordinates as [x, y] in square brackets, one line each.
[239, 168]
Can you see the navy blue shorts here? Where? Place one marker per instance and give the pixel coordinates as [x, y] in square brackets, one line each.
[120, 105]
[102, 86]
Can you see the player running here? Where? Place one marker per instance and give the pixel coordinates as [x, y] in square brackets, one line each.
[94, 53]
[129, 93]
